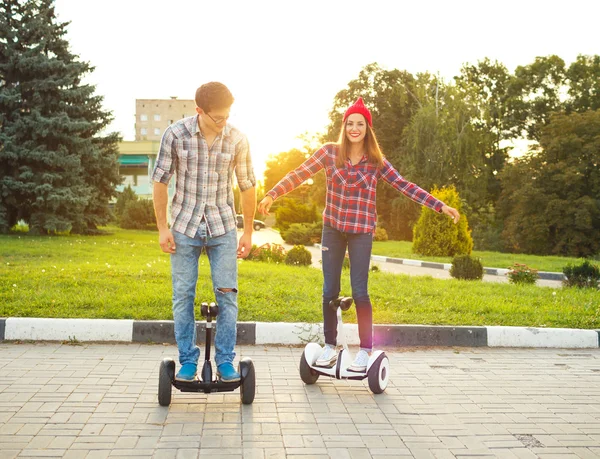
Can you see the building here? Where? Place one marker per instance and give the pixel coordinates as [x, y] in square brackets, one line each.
[137, 158]
[152, 116]
[136, 162]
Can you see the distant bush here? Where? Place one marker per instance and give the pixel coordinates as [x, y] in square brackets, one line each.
[380, 234]
[488, 238]
[486, 228]
[584, 275]
[138, 214]
[290, 211]
[131, 212]
[316, 231]
[20, 227]
[436, 235]
[466, 267]
[522, 274]
[298, 256]
[297, 234]
[267, 252]
[303, 233]
[123, 198]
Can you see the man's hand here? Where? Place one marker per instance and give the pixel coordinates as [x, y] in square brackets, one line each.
[265, 205]
[166, 241]
[451, 212]
[245, 245]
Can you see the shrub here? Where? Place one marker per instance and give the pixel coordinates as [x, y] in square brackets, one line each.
[316, 231]
[522, 274]
[380, 234]
[253, 250]
[436, 234]
[466, 267]
[138, 214]
[124, 197]
[486, 229]
[297, 234]
[298, 256]
[303, 233]
[290, 211]
[267, 252]
[585, 275]
[21, 227]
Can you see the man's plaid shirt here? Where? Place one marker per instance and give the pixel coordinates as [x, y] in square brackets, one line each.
[204, 177]
[350, 203]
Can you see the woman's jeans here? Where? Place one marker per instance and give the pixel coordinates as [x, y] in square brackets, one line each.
[334, 245]
[222, 256]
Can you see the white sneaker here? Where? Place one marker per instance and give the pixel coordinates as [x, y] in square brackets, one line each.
[327, 358]
[360, 362]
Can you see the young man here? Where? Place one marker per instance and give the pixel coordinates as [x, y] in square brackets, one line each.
[204, 151]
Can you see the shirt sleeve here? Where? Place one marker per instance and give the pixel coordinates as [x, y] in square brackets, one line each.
[299, 175]
[393, 177]
[166, 160]
[244, 171]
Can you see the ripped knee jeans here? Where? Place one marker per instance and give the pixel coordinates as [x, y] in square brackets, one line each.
[222, 256]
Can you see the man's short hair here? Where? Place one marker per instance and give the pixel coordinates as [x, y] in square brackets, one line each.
[213, 95]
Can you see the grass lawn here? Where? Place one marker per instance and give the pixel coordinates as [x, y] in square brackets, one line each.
[403, 249]
[125, 275]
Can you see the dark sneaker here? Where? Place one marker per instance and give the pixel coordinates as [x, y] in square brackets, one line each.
[226, 373]
[328, 358]
[187, 373]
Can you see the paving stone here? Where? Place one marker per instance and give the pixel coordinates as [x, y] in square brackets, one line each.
[99, 401]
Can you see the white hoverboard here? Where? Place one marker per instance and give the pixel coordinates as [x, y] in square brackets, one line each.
[378, 367]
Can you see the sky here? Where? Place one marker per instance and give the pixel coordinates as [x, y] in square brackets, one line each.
[285, 61]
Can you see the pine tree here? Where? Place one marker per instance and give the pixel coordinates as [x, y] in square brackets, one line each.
[57, 171]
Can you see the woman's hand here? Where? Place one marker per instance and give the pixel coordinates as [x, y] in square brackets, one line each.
[265, 205]
[451, 212]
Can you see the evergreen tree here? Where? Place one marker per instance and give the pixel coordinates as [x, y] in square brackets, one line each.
[57, 171]
[436, 235]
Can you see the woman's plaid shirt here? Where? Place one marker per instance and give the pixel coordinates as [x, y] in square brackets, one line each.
[351, 190]
[204, 177]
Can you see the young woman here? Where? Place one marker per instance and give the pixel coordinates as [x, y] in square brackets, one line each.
[353, 166]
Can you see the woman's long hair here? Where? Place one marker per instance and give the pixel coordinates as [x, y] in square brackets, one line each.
[374, 155]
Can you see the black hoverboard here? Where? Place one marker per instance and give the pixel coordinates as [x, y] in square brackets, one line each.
[206, 383]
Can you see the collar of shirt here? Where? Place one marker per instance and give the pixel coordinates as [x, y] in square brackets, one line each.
[195, 128]
[362, 160]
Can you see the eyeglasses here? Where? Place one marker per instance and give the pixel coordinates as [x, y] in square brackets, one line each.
[218, 119]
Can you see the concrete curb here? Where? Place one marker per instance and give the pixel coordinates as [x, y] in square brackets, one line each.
[446, 266]
[33, 329]
[256, 333]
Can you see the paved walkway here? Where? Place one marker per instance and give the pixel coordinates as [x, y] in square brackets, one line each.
[99, 401]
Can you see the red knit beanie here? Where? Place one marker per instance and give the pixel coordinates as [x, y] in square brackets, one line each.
[359, 107]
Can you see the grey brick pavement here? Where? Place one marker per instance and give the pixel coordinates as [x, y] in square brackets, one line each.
[99, 401]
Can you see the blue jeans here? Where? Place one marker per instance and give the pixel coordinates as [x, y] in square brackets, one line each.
[222, 256]
[359, 246]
